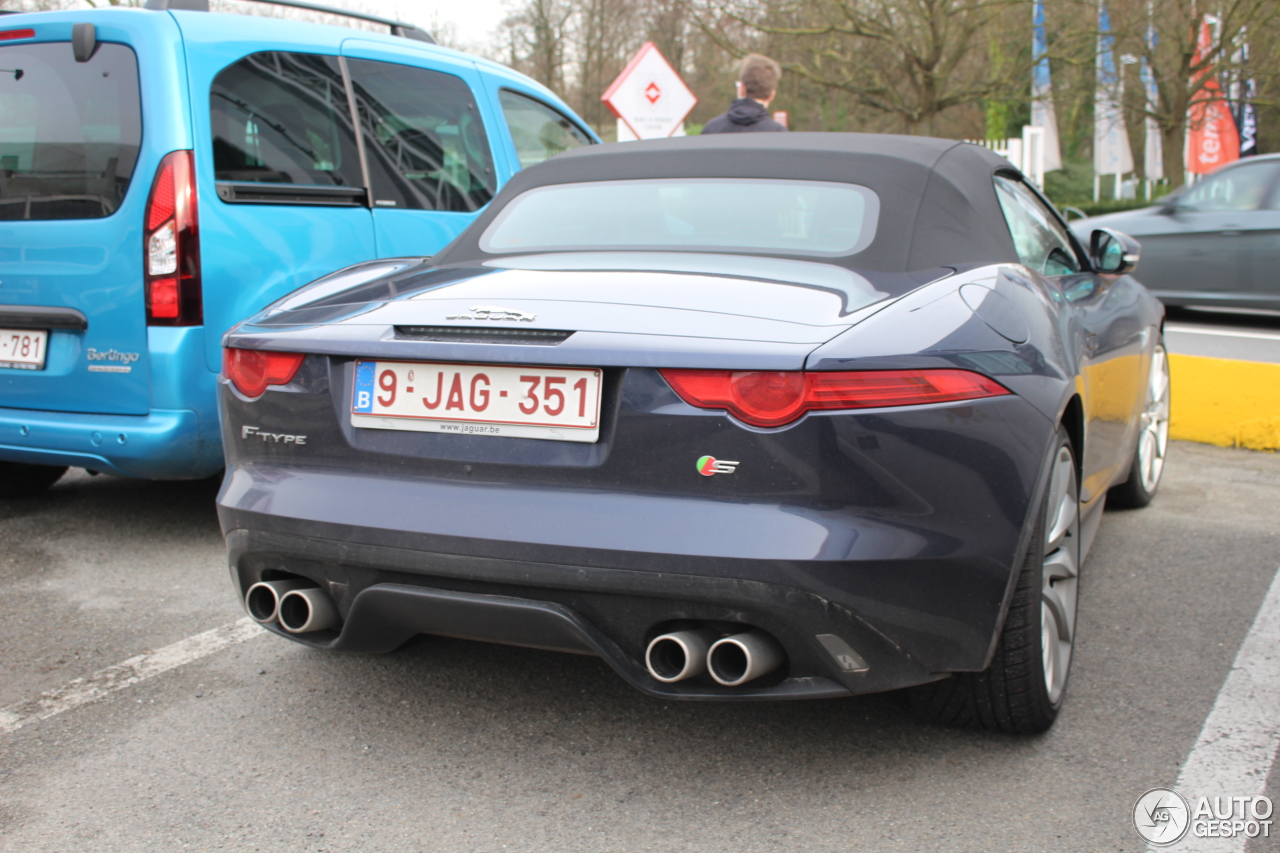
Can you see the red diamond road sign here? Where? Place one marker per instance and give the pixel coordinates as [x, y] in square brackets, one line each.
[649, 96]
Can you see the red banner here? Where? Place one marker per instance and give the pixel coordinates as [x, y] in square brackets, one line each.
[1212, 139]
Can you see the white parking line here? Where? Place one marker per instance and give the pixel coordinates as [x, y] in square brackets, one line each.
[1237, 746]
[85, 690]
[1224, 333]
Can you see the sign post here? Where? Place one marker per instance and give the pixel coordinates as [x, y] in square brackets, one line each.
[649, 98]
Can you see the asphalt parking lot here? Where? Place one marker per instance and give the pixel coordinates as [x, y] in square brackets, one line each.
[452, 746]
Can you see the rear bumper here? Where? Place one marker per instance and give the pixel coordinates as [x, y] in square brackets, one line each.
[389, 595]
[913, 617]
[166, 444]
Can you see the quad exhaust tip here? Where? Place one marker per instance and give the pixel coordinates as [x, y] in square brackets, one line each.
[263, 599]
[738, 659]
[298, 605]
[731, 661]
[679, 655]
[305, 610]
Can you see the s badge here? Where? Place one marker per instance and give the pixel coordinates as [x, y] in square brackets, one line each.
[709, 465]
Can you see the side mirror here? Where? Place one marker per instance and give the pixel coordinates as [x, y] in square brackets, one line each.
[1113, 252]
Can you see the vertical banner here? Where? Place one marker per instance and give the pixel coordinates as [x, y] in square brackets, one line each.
[1153, 152]
[1111, 152]
[1042, 112]
[1212, 140]
[1243, 91]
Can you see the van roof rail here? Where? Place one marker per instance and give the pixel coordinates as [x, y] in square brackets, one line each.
[398, 28]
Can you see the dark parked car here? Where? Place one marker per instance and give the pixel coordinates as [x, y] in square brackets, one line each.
[1216, 243]
[757, 417]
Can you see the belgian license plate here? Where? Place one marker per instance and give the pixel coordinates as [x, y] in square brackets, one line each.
[23, 348]
[556, 403]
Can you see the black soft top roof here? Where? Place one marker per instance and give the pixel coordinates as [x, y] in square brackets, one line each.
[938, 204]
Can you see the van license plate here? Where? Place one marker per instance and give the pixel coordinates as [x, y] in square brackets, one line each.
[23, 348]
[555, 403]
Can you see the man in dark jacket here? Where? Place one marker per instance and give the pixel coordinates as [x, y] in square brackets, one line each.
[757, 84]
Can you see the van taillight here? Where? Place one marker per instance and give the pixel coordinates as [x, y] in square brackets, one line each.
[171, 250]
[8, 35]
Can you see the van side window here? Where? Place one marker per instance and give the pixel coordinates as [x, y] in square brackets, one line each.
[424, 138]
[69, 131]
[283, 118]
[538, 131]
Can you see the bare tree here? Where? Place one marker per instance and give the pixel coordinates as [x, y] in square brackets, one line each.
[1183, 75]
[605, 35]
[535, 37]
[912, 59]
[666, 24]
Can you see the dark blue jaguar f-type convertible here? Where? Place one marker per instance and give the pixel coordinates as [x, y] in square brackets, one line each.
[767, 417]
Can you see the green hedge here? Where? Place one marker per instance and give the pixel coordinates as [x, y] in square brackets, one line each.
[1097, 208]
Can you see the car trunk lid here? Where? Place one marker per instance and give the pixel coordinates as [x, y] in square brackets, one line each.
[769, 318]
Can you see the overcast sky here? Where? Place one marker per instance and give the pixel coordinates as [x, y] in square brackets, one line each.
[473, 21]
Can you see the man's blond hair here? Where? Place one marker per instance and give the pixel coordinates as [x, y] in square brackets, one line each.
[759, 76]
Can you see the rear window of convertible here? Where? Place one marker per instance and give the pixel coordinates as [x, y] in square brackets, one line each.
[788, 217]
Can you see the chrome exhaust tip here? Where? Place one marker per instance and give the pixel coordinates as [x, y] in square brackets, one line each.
[305, 610]
[263, 598]
[738, 659]
[678, 655]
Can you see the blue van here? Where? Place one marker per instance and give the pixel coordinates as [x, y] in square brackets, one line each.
[166, 172]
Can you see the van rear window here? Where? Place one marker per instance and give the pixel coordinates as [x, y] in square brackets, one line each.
[69, 131]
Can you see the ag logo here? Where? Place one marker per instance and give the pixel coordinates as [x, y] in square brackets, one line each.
[709, 465]
[1161, 816]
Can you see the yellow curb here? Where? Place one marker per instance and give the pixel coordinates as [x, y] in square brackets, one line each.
[1225, 402]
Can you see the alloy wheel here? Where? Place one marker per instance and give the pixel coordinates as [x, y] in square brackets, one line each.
[1059, 578]
[1154, 424]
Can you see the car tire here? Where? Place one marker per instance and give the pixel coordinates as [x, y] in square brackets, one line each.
[1153, 439]
[21, 480]
[1023, 689]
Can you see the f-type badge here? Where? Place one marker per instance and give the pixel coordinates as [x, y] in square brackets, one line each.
[709, 465]
[488, 312]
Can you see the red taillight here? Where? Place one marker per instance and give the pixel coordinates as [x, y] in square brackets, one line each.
[8, 35]
[171, 245]
[252, 370]
[775, 398]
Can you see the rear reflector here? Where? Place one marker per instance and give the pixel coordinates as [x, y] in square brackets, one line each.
[775, 398]
[7, 35]
[252, 371]
[171, 250]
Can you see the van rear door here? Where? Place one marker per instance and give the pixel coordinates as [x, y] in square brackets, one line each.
[72, 317]
[282, 190]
